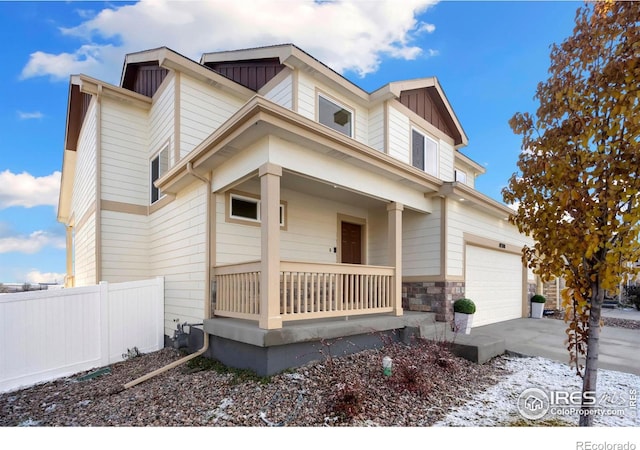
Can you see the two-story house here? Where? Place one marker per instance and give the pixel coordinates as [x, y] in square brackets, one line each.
[264, 186]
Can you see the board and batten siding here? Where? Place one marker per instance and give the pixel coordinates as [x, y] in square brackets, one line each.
[125, 247]
[161, 120]
[125, 164]
[282, 93]
[202, 110]
[463, 219]
[421, 242]
[177, 251]
[84, 201]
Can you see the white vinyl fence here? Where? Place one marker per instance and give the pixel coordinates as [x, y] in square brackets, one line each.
[50, 334]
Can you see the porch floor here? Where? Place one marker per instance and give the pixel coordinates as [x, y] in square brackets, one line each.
[293, 332]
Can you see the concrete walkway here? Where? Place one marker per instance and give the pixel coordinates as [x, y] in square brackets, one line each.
[546, 338]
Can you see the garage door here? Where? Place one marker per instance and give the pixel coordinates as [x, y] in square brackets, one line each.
[493, 280]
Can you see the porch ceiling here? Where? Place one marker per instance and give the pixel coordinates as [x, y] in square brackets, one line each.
[316, 188]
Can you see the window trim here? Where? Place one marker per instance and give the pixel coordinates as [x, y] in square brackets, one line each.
[456, 171]
[230, 218]
[330, 99]
[164, 149]
[424, 150]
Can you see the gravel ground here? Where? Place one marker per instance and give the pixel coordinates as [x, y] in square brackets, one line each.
[427, 382]
[427, 385]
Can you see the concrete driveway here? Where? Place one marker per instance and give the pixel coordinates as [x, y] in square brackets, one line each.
[547, 338]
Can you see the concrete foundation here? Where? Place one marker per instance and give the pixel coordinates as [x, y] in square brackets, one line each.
[241, 344]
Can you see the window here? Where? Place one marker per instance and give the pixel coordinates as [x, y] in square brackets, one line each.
[424, 152]
[461, 176]
[159, 166]
[245, 208]
[248, 209]
[335, 116]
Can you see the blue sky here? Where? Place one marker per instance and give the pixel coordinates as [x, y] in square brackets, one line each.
[488, 56]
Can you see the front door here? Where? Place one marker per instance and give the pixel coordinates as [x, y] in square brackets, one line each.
[351, 243]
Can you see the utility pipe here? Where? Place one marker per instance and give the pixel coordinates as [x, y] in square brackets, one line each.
[207, 293]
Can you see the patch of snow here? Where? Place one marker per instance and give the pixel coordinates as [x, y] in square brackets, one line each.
[219, 413]
[498, 405]
[29, 423]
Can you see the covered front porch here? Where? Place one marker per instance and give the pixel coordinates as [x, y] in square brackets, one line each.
[274, 289]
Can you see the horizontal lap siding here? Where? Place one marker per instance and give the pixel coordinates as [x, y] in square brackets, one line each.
[177, 246]
[84, 182]
[446, 161]
[85, 253]
[399, 132]
[84, 198]
[421, 242]
[462, 219]
[311, 231]
[376, 128]
[306, 96]
[124, 153]
[378, 237]
[203, 109]
[282, 93]
[161, 121]
[125, 247]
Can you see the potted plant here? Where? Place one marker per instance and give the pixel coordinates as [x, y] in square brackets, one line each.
[537, 306]
[463, 310]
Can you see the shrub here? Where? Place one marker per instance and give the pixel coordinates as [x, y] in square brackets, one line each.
[464, 305]
[538, 299]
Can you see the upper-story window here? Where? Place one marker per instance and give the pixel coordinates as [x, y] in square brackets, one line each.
[335, 116]
[461, 176]
[424, 152]
[159, 166]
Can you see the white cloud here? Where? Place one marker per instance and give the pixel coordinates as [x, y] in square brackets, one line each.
[30, 115]
[347, 35]
[35, 276]
[31, 244]
[28, 191]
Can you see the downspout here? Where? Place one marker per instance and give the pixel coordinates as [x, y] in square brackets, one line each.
[207, 290]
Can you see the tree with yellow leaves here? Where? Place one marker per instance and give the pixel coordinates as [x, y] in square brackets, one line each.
[578, 186]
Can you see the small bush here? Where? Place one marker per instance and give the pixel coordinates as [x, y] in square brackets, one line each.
[348, 401]
[464, 305]
[538, 299]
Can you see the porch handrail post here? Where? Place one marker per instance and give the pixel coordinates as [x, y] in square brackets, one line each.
[395, 254]
[270, 317]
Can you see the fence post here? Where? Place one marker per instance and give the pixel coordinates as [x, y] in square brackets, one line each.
[160, 310]
[105, 335]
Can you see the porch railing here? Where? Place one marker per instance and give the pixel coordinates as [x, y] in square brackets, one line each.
[307, 290]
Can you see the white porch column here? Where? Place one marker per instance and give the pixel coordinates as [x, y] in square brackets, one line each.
[270, 175]
[395, 253]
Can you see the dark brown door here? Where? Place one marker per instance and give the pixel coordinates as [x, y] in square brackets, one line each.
[351, 243]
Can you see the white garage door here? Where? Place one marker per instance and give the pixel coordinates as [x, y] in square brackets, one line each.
[493, 280]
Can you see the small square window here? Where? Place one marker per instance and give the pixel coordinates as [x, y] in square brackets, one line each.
[335, 116]
[461, 176]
